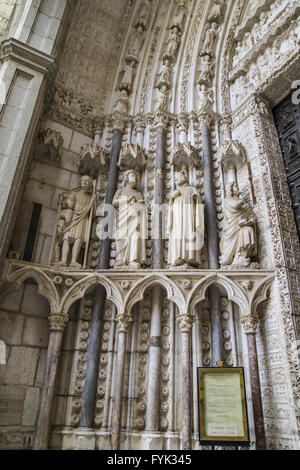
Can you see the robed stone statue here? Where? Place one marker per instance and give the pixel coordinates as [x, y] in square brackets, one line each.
[238, 243]
[131, 224]
[185, 224]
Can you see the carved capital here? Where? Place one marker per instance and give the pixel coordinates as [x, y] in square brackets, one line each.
[118, 121]
[204, 120]
[123, 321]
[183, 122]
[58, 321]
[161, 119]
[185, 322]
[139, 123]
[249, 323]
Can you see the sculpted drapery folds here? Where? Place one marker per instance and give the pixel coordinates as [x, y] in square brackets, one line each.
[185, 223]
[238, 241]
[131, 224]
[73, 226]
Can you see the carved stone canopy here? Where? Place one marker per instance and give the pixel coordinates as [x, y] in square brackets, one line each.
[184, 156]
[93, 160]
[231, 154]
[132, 156]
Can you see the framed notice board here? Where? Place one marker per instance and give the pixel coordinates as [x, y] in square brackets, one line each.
[223, 416]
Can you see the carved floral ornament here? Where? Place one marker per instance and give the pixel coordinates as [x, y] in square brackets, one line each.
[16, 272]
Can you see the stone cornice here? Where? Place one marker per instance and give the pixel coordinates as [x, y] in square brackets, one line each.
[12, 49]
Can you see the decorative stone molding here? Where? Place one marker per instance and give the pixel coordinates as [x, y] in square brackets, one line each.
[16, 272]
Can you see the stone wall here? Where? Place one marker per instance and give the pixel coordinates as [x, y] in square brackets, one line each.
[25, 330]
[6, 8]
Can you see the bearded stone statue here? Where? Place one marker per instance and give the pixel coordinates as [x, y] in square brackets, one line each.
[238, 243]
[185, 224]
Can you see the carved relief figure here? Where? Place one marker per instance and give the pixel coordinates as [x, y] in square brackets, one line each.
[163, 100]
[210, 38]
[173, 43]
[73, 226]
[206, 69]
[165, 74]
[122, 102]
[238, 243]
[216, 10]
[205, 98]
[127, 79]
[136, 42]
[185, 223]
[131, 226]
[49, 146]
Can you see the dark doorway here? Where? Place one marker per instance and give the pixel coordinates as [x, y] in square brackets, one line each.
[287, 120]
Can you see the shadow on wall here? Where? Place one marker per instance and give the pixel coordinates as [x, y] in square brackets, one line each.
[2, 352]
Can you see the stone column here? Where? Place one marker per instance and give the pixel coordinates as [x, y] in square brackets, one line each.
[185, 325]
[249, 324]
[57, 326]
[153, 386]
[214, 297]
[90, 384]
[123, 321]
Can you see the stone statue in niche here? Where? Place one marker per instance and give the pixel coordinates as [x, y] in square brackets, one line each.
[206, 69]
[209, 40]
[122, 102]
[163, 99]
[205, 98]
[143, 14]
[216, 11]
[49, 146]
[135, 43]
[127, 79]
[173, 43]
[238, 244]
[185, 224]
[131, 224]
[165, 74]
[73, 225]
